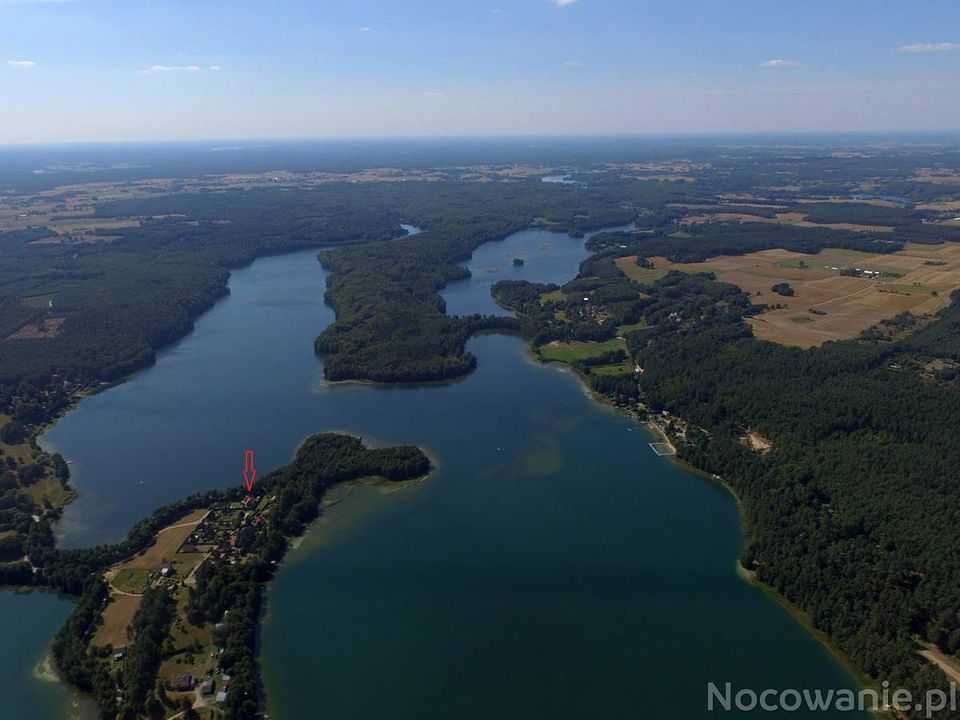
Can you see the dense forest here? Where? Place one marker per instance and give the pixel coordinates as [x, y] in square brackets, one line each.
[391, 322]
[103, 308]
[852, 513]
[100, 310]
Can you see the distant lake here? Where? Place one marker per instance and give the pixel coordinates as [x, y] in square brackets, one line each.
[548, 257]
[552, 566]
[560, 180]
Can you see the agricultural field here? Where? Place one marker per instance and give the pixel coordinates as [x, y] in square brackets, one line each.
[42, 329]
[165, 548]
[117, 617]
[129, 579]
[826, 304]
[796, 219]
[941, 206]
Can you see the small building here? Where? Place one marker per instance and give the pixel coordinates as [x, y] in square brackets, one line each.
[207, 687]
[184, 682]
[222, 696]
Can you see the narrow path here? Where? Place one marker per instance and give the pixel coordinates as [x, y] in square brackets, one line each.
[950, 667]
[861, 291]
[183, 525]
[114, 590]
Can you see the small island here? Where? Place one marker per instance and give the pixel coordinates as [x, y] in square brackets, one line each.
[518, 262]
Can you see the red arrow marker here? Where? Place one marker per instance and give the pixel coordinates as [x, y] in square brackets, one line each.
[249, 470]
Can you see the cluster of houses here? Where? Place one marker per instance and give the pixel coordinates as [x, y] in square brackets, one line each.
[217, 534]
[589, 311]
[216, 538]
[206, 688]
[855, 272]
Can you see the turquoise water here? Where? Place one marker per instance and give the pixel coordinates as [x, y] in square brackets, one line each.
[29, 622]
[552, 566]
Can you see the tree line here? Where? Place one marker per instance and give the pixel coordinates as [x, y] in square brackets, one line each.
[853, 514]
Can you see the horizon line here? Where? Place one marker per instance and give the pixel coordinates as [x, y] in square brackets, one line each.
[679, 135]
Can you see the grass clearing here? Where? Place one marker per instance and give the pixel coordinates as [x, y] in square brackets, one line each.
[116, 619]
[555, 296]
[628, 265]
[624, 368]
[49, 489]
[569, 352]
[192, 647]
[131, 580]
[624, 330]
[167, 543]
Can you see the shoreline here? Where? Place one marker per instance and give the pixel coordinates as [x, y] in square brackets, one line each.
[652, 428]
[85, 706]
[796, 613]
[82, 706]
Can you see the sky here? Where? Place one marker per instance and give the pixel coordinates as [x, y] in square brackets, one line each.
[125, 70]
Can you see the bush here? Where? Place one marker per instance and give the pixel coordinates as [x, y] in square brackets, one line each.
[11, 549]
[30, 473]
[783, 289]
[13, 433]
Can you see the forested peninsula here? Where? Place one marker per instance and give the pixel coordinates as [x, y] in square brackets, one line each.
[216, 609]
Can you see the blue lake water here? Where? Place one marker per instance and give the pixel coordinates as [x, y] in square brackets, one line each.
[29, 622]
[552, 566]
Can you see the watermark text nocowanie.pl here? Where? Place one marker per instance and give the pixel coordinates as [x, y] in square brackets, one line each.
[724, 697]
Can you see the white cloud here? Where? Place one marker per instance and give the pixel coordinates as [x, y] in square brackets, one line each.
[366, 28]
[23, 64]
[432, 93]
[929, 47]
[172, 68]
[215, 68]
[572, 63]
[779, 62]
[562, 3]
